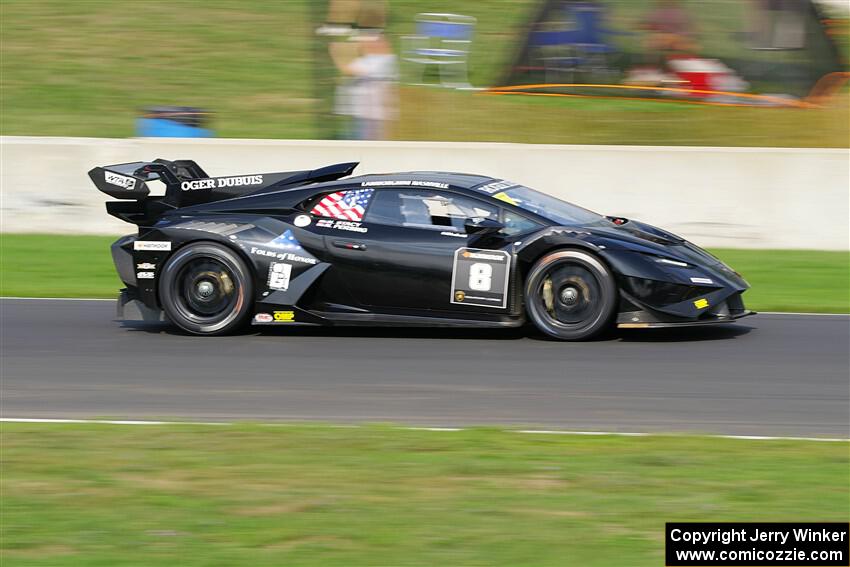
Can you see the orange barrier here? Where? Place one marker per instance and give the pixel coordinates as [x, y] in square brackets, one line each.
[521, 89]
[827, 86]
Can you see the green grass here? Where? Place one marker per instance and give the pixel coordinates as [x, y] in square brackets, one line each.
[86, 68]
[793, 280]
[57, 266]
[99, 495]
[81, 266]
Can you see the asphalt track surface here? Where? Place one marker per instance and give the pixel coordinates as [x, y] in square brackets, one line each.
[779, 375]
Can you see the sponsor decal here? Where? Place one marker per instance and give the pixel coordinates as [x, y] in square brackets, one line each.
[434, 184]
[351, 226]
[197, 184]
[152, 245]
[123, 181]
[701, 303]
[296, 258]
[279, 274]
[708, 281]
[504, 197]
[405, 183]
[342, 225]
[496, 186]
[263, 252]
[302, 221]
[220, 182]
[239, 181]
[450, 233]
[263, 318]
[284, 316]
[145, 275]
[459, 296]
[482, 256]
[145, 266]
[290, 257]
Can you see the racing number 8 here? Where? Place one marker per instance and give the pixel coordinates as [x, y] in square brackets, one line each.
[480, 277]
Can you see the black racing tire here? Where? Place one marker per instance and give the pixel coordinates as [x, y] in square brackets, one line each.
[571, 295]
[206, 289]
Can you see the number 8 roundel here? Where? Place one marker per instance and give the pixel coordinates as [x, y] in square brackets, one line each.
[480, 277]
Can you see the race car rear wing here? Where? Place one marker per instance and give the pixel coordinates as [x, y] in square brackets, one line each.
[186, 183]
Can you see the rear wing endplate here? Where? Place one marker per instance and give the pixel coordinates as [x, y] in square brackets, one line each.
[128, 180]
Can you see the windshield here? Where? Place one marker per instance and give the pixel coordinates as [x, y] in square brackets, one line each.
[541, 204]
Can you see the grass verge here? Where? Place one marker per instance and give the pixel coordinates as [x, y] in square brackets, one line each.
[34, 265]
[317, 495]
[439, 114]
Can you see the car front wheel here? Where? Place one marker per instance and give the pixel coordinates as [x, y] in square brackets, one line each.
[571, 295]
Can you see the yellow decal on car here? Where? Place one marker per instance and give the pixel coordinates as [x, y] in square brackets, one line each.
[701, 303]
[504, 197]
[284, 316]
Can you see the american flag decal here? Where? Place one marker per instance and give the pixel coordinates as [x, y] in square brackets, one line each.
[344, 205]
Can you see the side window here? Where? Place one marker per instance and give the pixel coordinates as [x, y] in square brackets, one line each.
[348, 204]
[427, 209]
[516, 223]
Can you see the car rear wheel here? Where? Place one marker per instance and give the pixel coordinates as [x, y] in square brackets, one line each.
[206, 289]
[571, 295]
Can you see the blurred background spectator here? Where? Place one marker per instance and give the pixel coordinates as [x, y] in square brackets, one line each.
[670, 31]
[368, 92]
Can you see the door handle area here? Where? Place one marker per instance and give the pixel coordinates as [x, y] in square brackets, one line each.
[349, 245]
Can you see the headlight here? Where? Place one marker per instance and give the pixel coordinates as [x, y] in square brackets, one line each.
[672, 262]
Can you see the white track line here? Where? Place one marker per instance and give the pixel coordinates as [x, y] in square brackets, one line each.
[567, 432]
[436, 429]
[108, 421]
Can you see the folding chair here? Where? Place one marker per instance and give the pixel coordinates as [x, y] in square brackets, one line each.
[441, 40]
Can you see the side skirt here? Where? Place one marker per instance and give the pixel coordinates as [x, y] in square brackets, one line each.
[387, 320]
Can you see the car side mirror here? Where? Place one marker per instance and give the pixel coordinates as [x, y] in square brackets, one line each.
[481, 226]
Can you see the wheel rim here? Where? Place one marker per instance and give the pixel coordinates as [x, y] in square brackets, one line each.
[206, 290]
[569, 295]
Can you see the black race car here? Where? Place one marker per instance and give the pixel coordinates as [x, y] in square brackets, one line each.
[408, 249]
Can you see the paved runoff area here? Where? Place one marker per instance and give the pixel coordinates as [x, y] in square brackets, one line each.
[772, 374]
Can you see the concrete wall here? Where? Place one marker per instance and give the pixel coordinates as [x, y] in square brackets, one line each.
[730, 197]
